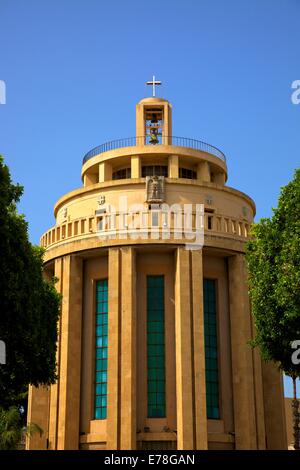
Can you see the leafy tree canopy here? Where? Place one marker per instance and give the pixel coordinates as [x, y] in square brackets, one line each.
[29, 305]
[273, 256]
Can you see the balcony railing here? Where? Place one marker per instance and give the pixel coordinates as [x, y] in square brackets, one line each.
[162, 140]
[215, 224]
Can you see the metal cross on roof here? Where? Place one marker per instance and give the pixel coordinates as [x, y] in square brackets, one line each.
[153, 83]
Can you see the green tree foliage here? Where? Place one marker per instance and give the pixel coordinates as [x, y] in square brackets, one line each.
[273, 256]
[11, 430]
[29, 305]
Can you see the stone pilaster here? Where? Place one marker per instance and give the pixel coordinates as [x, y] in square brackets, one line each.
[114, 359]
[242, 361]
[105, 171]
[203, 171]
[38, 413]
[198, 350]
[135, 166]
[183, 337]
[173, 162]
[70, 355]
[128, 350]
[54, 389]
[274, 407]
[190, 351]
[219, 178]
[259, 398]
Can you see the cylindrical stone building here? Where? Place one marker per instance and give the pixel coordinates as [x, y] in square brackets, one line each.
[153, 346]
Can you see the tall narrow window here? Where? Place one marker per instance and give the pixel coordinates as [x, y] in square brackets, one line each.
[211, 349]
[156, 347]
[100, 405]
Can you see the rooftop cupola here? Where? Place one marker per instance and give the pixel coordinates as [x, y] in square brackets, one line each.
[154, 150]
[154, 121]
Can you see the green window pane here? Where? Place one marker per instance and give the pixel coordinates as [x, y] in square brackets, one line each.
[211, 349]
[97, 401]
[156, 412]
[160, 398]
[100, 413]
[160, 387]
[99, 330]
[100, 341]
[100, 403]
[156, 347]
[151, 387]
[156, 315]
[151, 374]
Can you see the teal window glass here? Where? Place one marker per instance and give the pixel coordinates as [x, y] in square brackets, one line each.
[211, 350]
[100, 405]
[156, 380]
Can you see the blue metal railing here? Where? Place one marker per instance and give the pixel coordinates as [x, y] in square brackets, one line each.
[165, 140]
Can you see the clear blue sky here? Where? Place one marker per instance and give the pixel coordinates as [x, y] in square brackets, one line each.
[74, 70]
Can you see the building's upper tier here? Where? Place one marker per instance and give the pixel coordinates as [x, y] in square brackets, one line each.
[151, 170]
[154, 151]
